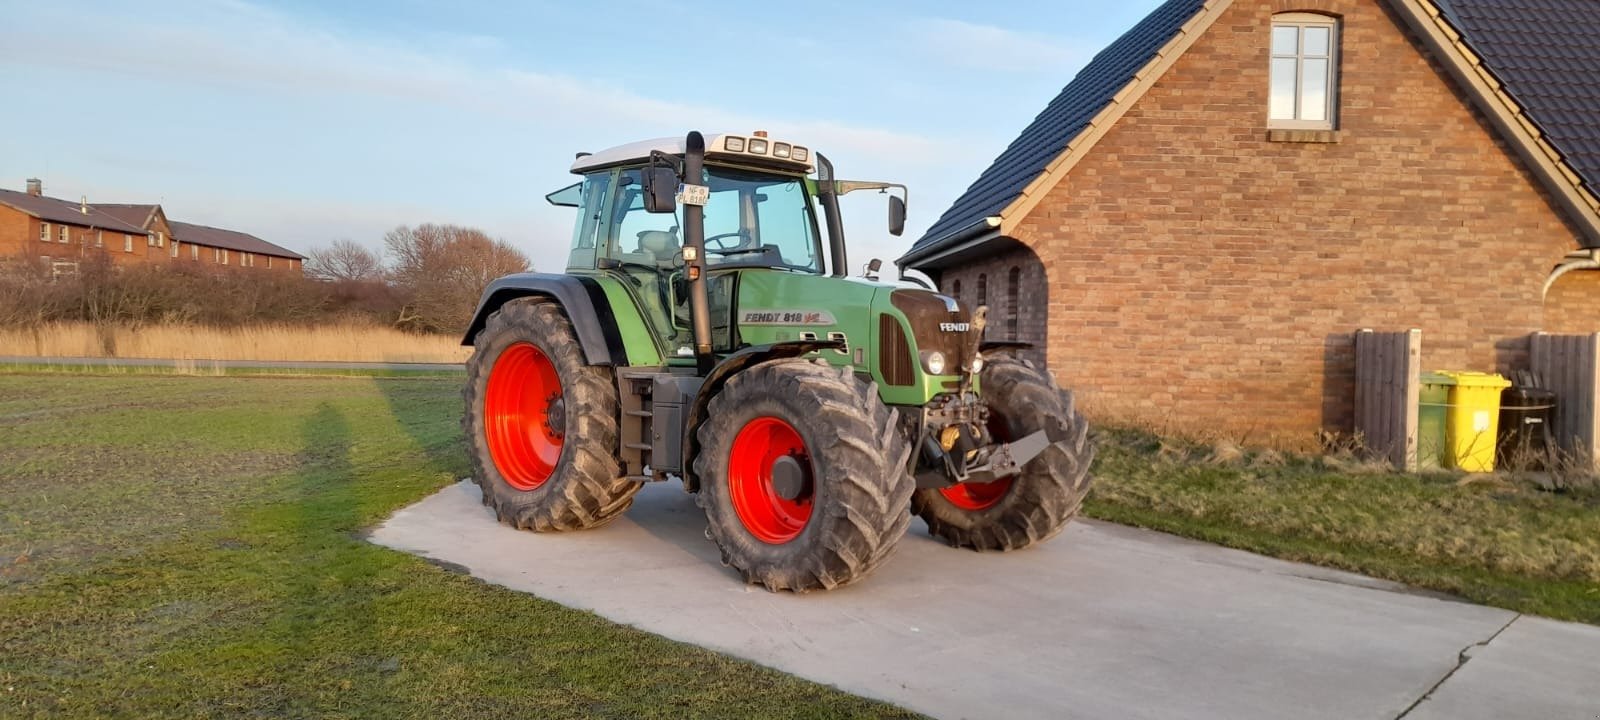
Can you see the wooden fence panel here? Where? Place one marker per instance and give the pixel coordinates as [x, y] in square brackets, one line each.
[1569, 366]
[1388, 370]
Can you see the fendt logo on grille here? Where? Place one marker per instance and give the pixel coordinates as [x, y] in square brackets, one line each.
[955, 327]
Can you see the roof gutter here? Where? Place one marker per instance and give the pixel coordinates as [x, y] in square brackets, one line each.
[1506, 115]
[970, 236]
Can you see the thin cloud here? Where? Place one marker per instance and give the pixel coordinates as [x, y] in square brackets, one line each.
[988, 47]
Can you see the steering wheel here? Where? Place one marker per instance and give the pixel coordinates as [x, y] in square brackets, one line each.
[724, 247]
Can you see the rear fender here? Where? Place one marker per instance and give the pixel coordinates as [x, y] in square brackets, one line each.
[580, 298]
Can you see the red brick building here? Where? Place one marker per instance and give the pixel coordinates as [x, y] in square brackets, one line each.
[1194, 228]
[65, 233]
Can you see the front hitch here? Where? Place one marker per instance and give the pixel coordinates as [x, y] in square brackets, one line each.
[989, 463]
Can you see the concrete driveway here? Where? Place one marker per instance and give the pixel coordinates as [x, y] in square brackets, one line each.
[1103, 622]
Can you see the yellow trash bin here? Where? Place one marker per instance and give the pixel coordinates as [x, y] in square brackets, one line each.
[1474, 416]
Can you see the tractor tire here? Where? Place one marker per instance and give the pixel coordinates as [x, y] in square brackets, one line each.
[541, 424]
[825, 433]
[1030, 507]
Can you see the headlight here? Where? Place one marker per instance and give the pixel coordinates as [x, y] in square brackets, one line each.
[977, 364]
[757, 147]
[734, 144]
[933, 361]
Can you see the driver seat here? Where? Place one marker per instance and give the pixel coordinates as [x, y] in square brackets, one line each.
[662, 245]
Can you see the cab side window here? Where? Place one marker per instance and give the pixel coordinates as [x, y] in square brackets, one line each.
[594, 193]
[640, 236]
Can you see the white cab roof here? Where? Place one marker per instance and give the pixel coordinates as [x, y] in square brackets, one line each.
[716, 145]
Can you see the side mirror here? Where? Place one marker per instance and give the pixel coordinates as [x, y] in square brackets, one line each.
[873, 266]
[660, 190]
[897, 215]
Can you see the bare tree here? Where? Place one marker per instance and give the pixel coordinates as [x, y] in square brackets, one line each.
[443, 269]
[344, 260]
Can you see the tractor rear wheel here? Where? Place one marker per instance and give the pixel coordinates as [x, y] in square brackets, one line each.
[803, 476]
[541, 424]
[1036, 504]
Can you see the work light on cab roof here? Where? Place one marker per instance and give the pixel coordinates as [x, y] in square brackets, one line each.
[707, 330]
[753, 148]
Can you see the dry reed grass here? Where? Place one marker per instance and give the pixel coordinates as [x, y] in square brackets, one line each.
[322, 343]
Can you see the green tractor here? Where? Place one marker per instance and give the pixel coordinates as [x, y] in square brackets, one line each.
[706, 331]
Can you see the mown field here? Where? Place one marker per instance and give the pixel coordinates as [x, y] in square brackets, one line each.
[178, 546]
[192, 547]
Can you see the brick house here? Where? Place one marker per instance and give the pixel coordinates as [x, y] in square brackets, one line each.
[64, 233]
[1192, 230]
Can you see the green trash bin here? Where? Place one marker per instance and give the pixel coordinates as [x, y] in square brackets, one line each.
[1433, 437]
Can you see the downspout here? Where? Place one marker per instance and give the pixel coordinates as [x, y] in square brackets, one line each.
[1573, 263]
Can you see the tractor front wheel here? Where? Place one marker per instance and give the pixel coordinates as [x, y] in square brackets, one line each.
[1036, 504]
[541, 424]
[803, 476]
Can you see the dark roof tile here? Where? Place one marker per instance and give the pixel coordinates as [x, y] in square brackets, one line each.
[1063, 120]
[1547, 55]
[135, 215]
[54, 210]
[227, 239]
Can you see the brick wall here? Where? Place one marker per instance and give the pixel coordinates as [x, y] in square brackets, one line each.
[17, 230]
[1204, 278]
[1027, 317]
[1573, 305]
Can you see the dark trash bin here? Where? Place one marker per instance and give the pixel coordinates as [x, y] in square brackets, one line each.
[1527, 436]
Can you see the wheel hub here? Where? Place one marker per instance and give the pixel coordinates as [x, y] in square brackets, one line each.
[789, 478]
[555, 422]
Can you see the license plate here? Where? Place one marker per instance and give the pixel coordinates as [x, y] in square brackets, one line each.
[693, 194]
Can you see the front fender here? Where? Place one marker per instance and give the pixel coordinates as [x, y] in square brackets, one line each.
[726, 369]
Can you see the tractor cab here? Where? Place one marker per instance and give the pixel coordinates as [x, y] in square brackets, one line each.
[762, 211]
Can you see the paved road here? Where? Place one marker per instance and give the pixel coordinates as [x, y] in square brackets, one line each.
[224, 364]
[1103, 622]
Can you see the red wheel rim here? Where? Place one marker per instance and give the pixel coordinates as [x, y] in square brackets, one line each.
[524, 419]
[979, 496]
[771, 518]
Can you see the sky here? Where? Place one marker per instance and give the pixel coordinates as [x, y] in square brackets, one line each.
[307, 122]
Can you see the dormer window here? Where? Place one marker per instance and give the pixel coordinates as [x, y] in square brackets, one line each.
[1305, 72]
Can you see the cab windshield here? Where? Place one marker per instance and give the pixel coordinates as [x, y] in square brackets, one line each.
[752, 220]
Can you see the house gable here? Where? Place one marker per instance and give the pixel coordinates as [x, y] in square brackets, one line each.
[1547, 110]
[1535, 75]
[1195, 265]
[1068, 125]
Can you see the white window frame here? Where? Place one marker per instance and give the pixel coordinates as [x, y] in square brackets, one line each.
[194, 251]
[269, 262]
[44, 232]
[224, 256]
[174, 252]
[64, 235]
[1301, 21]
[127, 243]
[99, 238]
[161, 239]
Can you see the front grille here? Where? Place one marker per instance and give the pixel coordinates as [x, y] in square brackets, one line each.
[895, 363]
[926, 312]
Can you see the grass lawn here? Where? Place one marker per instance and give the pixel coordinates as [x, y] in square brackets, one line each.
[1493, 540]
[190, 547]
